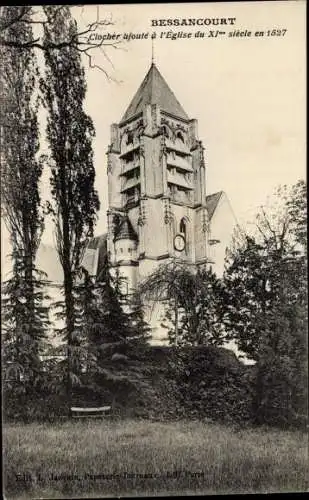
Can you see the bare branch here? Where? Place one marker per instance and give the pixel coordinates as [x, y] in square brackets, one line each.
[80, 41]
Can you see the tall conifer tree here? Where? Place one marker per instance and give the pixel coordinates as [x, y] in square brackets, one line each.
[25, 317]
[69, 133]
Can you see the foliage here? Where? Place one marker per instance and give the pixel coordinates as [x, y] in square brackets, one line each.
[24, 332]
[33, 406]
[39, 17]
[199, 382]
[250, 281]
[109, 337]
[194, 303]
[282, 365]
[20, 168]
[69, 133]
[290, 204]
[266, 296]
[262, 264]
[123, 339]
[222, 392]
[140, 327]
[25, 315]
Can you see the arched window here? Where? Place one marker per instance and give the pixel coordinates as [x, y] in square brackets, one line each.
[180, 137]
[165, 131]
[183, 227]
[116, 220]
[130, 138]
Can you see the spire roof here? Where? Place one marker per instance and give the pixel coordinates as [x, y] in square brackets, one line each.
[154, 90]
[125, 230]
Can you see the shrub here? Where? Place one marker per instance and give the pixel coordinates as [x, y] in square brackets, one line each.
[160, 383]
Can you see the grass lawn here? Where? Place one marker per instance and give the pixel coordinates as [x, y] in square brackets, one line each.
[101, 458]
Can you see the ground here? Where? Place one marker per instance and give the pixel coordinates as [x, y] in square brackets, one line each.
[102, 458]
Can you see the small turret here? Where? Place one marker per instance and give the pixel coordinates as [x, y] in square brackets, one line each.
[126, 241]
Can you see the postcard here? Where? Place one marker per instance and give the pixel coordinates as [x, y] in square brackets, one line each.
[154, 285]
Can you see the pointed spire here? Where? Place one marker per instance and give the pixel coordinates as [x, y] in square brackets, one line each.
[154, 90]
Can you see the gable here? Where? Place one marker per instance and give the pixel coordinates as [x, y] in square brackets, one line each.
[212, 202]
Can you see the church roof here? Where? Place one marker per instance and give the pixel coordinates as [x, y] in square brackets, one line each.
[95, 254]
[154, 90]
[212, 201]
[126, 231]
[96, 242]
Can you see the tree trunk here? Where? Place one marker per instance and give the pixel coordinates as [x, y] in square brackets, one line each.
[176, 322]
[69, 312]
[30, 290]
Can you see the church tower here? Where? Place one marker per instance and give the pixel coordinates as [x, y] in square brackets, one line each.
[156, 185]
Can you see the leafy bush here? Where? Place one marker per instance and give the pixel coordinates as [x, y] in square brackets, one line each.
[164, 384]
[32, 407]
[214, 384]
[195, 383]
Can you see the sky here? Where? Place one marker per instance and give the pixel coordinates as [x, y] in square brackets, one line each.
[247, 93]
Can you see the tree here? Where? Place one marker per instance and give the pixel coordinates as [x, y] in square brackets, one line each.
[266, 297]
[296, 206]
[112, 335]
[141, 329]
[193, 303]
[124, 348]
[257, 265]
[122, 326]
[21, 170]
[248, 294]
[282, 362]
[69, 133]
[38, 17]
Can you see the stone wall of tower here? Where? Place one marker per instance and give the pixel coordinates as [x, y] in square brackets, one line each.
[126, 262]
[153, 171]
[187, 213]
[114, 169]
[201, 231]
[110, 235]
[199, 174]
[155, 231]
